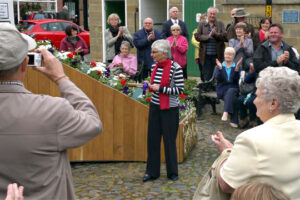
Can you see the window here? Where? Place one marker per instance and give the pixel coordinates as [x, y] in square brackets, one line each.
[55, 26]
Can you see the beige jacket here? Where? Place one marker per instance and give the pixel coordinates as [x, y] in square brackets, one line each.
[35, 133]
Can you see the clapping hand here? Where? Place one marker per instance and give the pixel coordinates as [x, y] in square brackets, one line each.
[174, 44]
[242, 41]
[14, 192]
[239, 63]
[251, 69]
[286, 56]
[151, 36]
[220, 141]
[212, 32]
[218, 63]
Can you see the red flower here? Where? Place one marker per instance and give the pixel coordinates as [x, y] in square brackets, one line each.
[70, 55]
[99, 72]
[93, 64]
[148, 99]
[182, 96]
[123, 82]
[74, 53]
[120, 77]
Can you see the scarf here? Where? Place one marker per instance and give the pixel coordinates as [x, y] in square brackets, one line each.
[164, 101]
[73, 40]
[114, 31]
[261, 35]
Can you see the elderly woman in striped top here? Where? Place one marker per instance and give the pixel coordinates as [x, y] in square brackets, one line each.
[166, 84]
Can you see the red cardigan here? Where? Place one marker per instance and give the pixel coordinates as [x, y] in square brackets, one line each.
[179, 52]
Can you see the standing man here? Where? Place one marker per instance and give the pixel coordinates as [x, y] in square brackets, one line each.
[233, 11]
[143, 40]
[211, 34]
[64, 14]
[275, 52]
[240, 16]
[166, 29]
[37, 130]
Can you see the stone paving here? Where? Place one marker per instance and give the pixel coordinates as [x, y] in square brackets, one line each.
[123, 180]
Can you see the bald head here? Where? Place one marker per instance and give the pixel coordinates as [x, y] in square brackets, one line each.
[148, 24]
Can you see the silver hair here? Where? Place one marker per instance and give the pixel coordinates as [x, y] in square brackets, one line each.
[162, 46]
[127, 44]
[172, 9]
[230, 50]
[282, 84]
[113, 15]
[208, 9]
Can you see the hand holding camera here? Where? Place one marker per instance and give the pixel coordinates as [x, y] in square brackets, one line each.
[51, 67]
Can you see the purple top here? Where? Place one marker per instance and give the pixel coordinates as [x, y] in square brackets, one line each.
[129, 63]
[65, 45]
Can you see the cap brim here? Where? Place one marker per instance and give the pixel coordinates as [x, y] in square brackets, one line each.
[31, 42]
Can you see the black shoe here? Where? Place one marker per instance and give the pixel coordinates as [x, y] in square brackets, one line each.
[148, 177]
[173, 177]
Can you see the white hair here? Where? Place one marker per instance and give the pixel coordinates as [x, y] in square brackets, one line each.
[172, 9]
[210, 8]
[230, 50]
[162, 46]
[282, 84]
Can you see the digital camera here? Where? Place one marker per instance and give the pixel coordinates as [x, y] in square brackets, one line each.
[35, 59]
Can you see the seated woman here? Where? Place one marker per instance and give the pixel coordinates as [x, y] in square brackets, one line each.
[268, 153]
[246, 98]
[73, 42]
[227, 75]
[126, 61]
[242, 45]
[179, 47]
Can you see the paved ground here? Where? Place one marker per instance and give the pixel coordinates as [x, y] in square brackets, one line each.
[123, 180]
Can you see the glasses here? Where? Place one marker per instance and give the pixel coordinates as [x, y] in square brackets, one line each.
[153, 52]
[176, 30]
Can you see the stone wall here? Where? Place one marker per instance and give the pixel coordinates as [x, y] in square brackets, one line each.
[256, 8]
[95, 26]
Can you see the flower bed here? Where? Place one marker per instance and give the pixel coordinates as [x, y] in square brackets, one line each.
[121, 82]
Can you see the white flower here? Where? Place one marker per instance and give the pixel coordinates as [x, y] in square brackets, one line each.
[45, 47]
[62, 55]
[97, 68]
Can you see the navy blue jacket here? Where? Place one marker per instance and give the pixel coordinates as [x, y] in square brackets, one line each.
[144, 47]
[166, 32]
[223, 84]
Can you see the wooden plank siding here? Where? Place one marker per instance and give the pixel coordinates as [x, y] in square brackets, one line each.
[125, 120]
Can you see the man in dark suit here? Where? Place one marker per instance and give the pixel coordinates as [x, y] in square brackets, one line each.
[166, 32]
[143, 40]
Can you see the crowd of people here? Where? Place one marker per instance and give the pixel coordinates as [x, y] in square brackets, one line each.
[257, 75]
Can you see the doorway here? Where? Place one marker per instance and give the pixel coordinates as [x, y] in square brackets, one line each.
[155, 9]
[191, 8]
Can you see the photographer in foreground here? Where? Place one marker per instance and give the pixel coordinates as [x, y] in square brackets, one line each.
[37, 130]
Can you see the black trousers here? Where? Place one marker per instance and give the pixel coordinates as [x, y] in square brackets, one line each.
[162, 123]
[208, 67]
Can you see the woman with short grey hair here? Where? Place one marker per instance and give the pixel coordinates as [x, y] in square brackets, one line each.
[268, 153]
[162, 46]
[114, 36]
[166, 84]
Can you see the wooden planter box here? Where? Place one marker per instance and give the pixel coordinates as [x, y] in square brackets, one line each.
[124, 121]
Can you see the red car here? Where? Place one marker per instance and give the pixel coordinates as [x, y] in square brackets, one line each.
[50, 29]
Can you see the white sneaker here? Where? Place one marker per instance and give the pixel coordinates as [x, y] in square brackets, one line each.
[233, 125]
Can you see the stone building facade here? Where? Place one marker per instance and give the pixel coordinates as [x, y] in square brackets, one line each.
[256, 8]
[96, 25]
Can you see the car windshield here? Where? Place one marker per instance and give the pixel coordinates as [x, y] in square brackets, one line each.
[25, 26]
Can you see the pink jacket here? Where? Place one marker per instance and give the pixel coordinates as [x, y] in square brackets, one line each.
[129, 63]
[179, 51]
